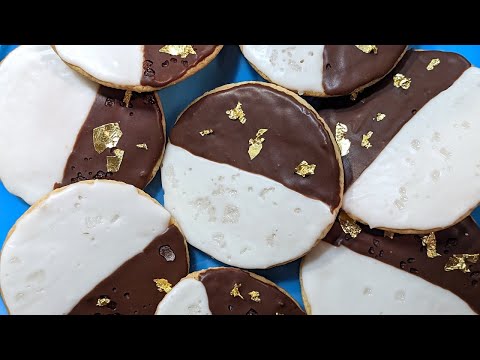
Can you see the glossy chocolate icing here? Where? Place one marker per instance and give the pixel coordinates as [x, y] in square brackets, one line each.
[131, 288]
[219, 283]
[406, 252]
[160, 69]
[140, 122]
[397, 104]
[346, 68]
[294, 134]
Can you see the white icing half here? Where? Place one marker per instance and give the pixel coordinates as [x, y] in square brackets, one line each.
[188, 297]
[73, 240]
[243, 219]
[338, 281]
[296, 67]
[43, 104]
[428, 176]
[115, 64]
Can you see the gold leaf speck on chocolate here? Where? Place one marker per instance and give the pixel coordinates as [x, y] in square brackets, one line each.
[206, 132]
[367, 49]
[256, 144]
[142, 146]
[235, 292]
[163, 285]
[103, 301]
[237, 113]
[255, 296]
[178, 50]
[127, 97]
[304, 168]
[431, 65]
[401, 81]
[342, 142]
[106, 136]
[459, 262]
[379, 116]
[366, 140]
[349, 226]
[114, 162]
[430, 242]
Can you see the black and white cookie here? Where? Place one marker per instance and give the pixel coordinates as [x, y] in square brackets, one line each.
[94, 247]
[410, 145]
[252, 175]
[137, 67]
[323, 70]
[227, 291]
[357, 270]
[58, 128]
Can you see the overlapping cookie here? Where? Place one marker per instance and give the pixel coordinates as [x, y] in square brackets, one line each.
[357, 270]
[94, 247]
[252, 175]
[323, 70]
[58, 128]
[410, 145]
[137, 67]
[227, 291]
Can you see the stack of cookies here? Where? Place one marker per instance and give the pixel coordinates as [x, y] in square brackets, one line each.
[370, 178]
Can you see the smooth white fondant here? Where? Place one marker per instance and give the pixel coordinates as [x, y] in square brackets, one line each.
[188, 297]
[71, 241]
[115, 64]
[43, 104]
[338, 281]
[243, 219]
[296, 67]
[428, 176]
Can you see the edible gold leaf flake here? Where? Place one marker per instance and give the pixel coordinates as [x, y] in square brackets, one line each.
[400, 80]
[354, 95]
[388, 234]
[349, 226]
[103, 301]
[106, 136]
[343, 144]
[127, 97]
[432, 64]
[114, 162]
[237, 113]
[380, 117]
[304, 168]
[367, 49]
[163, 285]
[176, 50]
[142, 146]
[366, 140]
[459, 262]
[235, 292]
[206, 132]
[430, 242]
[256, 144]
[255, 296]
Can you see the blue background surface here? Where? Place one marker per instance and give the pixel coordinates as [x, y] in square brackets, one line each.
[229, 66]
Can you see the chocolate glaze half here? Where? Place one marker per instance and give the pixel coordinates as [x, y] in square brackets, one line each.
[294, 134]
[346, 68]
[140, 122]
[161, 69]
[397, 104]
[406, 252]
[220, 282]
[131, 288]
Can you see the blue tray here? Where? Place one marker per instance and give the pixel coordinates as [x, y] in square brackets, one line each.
[230, 66]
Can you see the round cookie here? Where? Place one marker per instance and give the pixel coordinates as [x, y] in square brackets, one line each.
[407, 274]
[233, 175]
[137, 67]
[227, 291]
[411, 153]
[323, 70]
[94, 247]
[59, 128]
